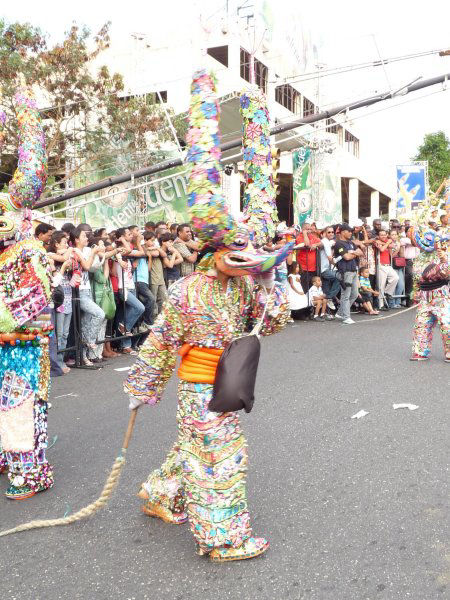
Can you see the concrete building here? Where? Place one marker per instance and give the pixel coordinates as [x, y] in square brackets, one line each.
[282, 51]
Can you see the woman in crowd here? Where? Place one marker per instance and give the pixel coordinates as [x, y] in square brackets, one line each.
[92, 316]
[61, 255]
[398, 264]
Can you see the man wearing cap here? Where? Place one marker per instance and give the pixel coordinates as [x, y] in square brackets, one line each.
[346, 258]
[306, 254]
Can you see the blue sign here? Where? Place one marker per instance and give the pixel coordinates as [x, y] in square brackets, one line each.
[411, 186]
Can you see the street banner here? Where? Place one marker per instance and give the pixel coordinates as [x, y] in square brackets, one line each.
[164, 199]
[302, 185]
[412, 186]
[327, 194]
[316, 188]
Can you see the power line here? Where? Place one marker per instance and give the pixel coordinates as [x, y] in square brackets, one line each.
[300, 77]
[238, 143]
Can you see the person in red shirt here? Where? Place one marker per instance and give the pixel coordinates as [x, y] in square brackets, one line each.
[307, 255]
[388, 278]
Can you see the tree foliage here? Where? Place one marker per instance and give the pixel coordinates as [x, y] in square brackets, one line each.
[436, 150]
[88, 123]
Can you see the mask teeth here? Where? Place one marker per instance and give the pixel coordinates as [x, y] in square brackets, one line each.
[208, 210]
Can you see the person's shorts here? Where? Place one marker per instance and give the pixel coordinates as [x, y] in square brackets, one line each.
[366, 297]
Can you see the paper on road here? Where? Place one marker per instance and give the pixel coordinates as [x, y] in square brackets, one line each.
[405, 405]
[123, 369]
[360, 414]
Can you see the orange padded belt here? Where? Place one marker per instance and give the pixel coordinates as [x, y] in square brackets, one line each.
[198, 365]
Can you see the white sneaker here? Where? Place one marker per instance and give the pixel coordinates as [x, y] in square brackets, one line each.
[348, 321]
[336, 316]
[331, 305]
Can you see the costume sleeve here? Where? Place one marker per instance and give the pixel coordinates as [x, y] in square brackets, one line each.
[277, 313]
[157, 358]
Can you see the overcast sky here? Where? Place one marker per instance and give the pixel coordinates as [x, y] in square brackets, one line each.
[345, 33]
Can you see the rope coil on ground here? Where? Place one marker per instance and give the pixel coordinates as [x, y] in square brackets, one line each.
[87, 511]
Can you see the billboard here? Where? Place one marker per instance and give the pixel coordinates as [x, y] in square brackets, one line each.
[316, 187]
[164, 199]
[302, 185]
[412, 186]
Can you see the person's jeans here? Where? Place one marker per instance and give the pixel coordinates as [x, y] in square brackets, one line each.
[92, 317]
[388, 279]
[134, 309]
[145, 295]
[160, 293]
[400, 289]
[349, 293]
[62, 333]
[330, 283]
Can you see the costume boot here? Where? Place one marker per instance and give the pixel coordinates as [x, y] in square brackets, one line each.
[250, 548]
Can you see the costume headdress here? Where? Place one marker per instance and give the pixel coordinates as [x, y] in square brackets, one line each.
[215, 227]
[421, 233]
[24, 280]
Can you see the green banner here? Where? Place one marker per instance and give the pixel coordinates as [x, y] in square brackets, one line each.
[302, 185]
[163, 199]
[316, 187]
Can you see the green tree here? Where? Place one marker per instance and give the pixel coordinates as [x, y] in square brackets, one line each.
[436, 150]
[89, 125]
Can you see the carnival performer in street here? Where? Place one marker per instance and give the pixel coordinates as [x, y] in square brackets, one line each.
[432, 286]
[203, 477]
[24, 295]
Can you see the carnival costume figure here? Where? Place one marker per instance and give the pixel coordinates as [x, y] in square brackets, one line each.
[203, 477]
[432, 286]
[24, 295]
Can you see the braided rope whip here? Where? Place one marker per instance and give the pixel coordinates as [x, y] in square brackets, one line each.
[87, 511]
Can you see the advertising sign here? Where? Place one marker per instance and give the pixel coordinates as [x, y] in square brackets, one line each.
[411, 186]
[316, 188]
[302, 185]
[164, 199]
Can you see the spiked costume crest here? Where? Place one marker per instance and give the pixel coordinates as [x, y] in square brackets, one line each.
[210, 216]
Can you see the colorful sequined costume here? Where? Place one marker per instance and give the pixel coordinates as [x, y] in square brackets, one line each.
[24, 295]
[205, 471]
[203, 478]
[433, 309]
[432, 285]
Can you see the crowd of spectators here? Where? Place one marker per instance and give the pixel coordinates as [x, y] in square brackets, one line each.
[120, 278]
[120, 281]
[340, 269]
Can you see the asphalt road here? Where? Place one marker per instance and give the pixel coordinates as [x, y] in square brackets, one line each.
[354, 509]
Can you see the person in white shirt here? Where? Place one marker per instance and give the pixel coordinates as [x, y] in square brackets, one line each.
[328, 273]
[297, 298]
[92, 315]
[318, 299]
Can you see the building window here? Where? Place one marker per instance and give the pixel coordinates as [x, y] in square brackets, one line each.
[161, 97]
[220, 53]
[261, 71]
[308, 107]
[352, 144]
[333, 127]
[288, 97]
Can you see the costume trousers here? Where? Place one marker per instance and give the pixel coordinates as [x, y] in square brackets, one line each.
[23, 416]
[434, 308]
[205, 471]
